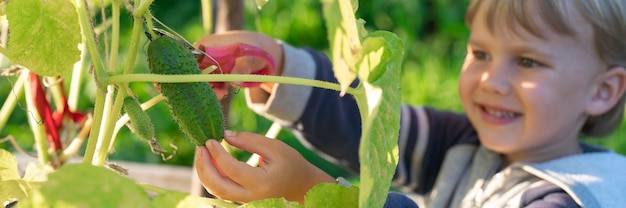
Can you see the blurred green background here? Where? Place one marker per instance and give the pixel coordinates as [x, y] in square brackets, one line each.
[433, 32]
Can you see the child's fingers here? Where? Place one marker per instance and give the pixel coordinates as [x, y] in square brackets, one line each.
[239, 172]
[265, 147]
[215, 182]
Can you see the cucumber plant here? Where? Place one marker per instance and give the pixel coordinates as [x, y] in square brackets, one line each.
[193, 105]
[140, 122]
[374, 58]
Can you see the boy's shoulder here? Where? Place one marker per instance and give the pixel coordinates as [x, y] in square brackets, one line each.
[594, 178]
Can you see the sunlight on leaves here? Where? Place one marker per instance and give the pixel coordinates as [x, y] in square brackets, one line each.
[180, 199]
[378, 151]
[44, 35]
[344, 37]
[274, 203]
[370, 67]
[12, 190]
[377, 64]
[12, 187]
[341, 196]
[8, 166]
[349, 23]
[376, 55]
[37, 172]
[3, 6]
[85, 185]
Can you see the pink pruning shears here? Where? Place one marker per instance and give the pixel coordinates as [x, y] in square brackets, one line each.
[224, 58]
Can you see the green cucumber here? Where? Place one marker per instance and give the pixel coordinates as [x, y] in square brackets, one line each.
[194, 106]
[140, 123]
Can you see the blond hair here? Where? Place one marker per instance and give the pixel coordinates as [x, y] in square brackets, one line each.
[608, 22]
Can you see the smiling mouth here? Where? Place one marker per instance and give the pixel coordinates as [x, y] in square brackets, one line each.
[501, 114]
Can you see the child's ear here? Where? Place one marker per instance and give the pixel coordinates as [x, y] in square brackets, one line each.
[610, 90]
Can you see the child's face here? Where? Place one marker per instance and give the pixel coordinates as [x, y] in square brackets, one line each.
[526, 96]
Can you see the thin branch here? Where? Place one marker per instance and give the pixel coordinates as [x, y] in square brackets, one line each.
[19, 149]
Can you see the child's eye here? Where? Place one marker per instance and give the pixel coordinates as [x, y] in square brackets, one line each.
[479, 55]
[528, 63]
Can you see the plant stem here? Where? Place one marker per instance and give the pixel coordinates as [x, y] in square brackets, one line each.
[207, 16]
[106, 116]
[107, 129]
[225, 78]
[54, 89]
[141, 9]
[12, 99]
[4, 33]
[77, 77]
[77, 142]
[34, 120]
[95, 127]
[149, 24]
[134, 45]
[115, 34]
[90, 40]
[18, 87]
[100, 74]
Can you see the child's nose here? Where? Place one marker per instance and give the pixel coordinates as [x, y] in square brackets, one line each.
[496, 80]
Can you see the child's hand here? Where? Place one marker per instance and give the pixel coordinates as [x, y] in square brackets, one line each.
[282, 171]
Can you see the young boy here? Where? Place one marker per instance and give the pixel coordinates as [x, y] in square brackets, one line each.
[538, 74]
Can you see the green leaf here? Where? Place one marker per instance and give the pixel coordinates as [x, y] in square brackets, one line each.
[8, 166]
[378, 150]
[377, 55]
[377, 64]
[12, 187]
[37, 172]
[332, 195]
[84, 185]
[178, 199]
[12, 190]
[44, 35]
[370, 67]
[274, 203]
[343, 35]
[3, 6]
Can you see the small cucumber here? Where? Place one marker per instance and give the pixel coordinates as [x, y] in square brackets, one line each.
[140, 123]
[194, 105]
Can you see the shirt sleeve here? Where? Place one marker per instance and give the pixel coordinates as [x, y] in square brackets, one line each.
[286, 103]
[395, 199]
[425, 136]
